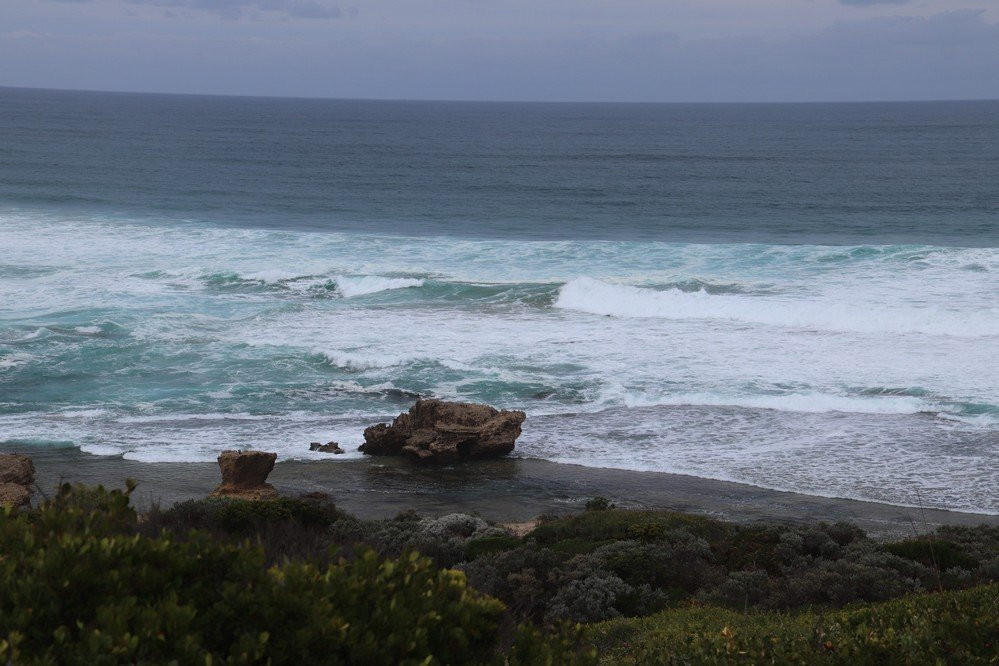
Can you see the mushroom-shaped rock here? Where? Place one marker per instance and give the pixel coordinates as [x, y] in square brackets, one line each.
[444, 432]
[16, 468]
[244, 474]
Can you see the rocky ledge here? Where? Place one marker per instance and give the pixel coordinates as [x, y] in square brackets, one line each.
[445, 432]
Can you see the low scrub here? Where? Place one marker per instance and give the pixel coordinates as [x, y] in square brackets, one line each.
[607, 563]
[944, 627]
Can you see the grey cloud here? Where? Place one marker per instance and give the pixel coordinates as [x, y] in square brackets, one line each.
[235, 9]
[949, 55]
[868, 3]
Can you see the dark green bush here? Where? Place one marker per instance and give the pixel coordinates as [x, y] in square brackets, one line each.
[934, 553]
[285, 527]
[751, 548]
[599, 504]
[78, 585]
[493, 544]
[609, 562]
[616, 524]
[525, 579]
[241, 516]
[445, 539]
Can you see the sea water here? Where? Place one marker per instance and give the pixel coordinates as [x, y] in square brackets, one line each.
[802, 297]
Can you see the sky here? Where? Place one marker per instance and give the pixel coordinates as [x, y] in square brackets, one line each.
[546, 50]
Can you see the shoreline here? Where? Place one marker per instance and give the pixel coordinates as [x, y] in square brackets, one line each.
[509, 490]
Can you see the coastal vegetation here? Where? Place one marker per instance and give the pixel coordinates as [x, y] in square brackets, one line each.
[85, 578]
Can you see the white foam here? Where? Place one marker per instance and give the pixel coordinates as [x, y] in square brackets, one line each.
[34, 335]
[82, 413]
[586, 294]
[88, 330]
[101, 449]
[14, 360]
[274, 275]
[365, 361]
[167, 418]
[981, 420]
[371, 284]
[814, 403]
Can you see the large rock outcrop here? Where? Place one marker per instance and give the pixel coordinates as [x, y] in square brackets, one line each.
[17, 474]
[445, 432]
[244, 475]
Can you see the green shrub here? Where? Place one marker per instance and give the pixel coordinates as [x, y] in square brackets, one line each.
[933, 552]
[589, 599]
[493, 544]
[241, 516]
[78, 585]
[614, 524]
[949, 627]
[524, 578]
[285, 527]
[445, 539]
[980, 542]
[681, 562]
[752, 547]
[599, 504]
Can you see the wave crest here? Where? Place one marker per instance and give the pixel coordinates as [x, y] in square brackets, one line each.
[371, 284]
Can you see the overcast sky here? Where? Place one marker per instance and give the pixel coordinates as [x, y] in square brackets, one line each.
[613, 50]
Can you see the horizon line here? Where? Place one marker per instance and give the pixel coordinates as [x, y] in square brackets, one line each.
[487, 101]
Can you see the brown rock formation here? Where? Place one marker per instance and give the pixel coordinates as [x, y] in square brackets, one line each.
[17, 473]
[13, 494]
[244, 475]
[329, 447]
[438, 431]
[16, 468]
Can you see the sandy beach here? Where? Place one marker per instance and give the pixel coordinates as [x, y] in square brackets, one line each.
[506, 490]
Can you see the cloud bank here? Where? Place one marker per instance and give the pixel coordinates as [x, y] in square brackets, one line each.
[557, 50]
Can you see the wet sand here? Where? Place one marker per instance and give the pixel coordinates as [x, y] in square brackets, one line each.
[507, 490]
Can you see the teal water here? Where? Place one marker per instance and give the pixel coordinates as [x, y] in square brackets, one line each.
[795, 296]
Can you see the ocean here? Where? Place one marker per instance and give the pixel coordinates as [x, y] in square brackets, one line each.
[796, 296]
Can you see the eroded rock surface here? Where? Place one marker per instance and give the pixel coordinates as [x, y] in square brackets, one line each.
[16, 468]
[17, 474]
[11, 494]
[444, 432]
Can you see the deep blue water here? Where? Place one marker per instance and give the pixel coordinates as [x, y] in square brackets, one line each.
[798, 296]
[791, 173]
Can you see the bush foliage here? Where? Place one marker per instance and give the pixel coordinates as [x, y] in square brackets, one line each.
[81, 583]
[607, 563]
[294, 580]
[944, 628]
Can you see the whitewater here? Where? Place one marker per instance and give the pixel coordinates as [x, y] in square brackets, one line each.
[863, 371]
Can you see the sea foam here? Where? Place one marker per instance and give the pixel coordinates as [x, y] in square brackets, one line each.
[586, 294]
[371, 284]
